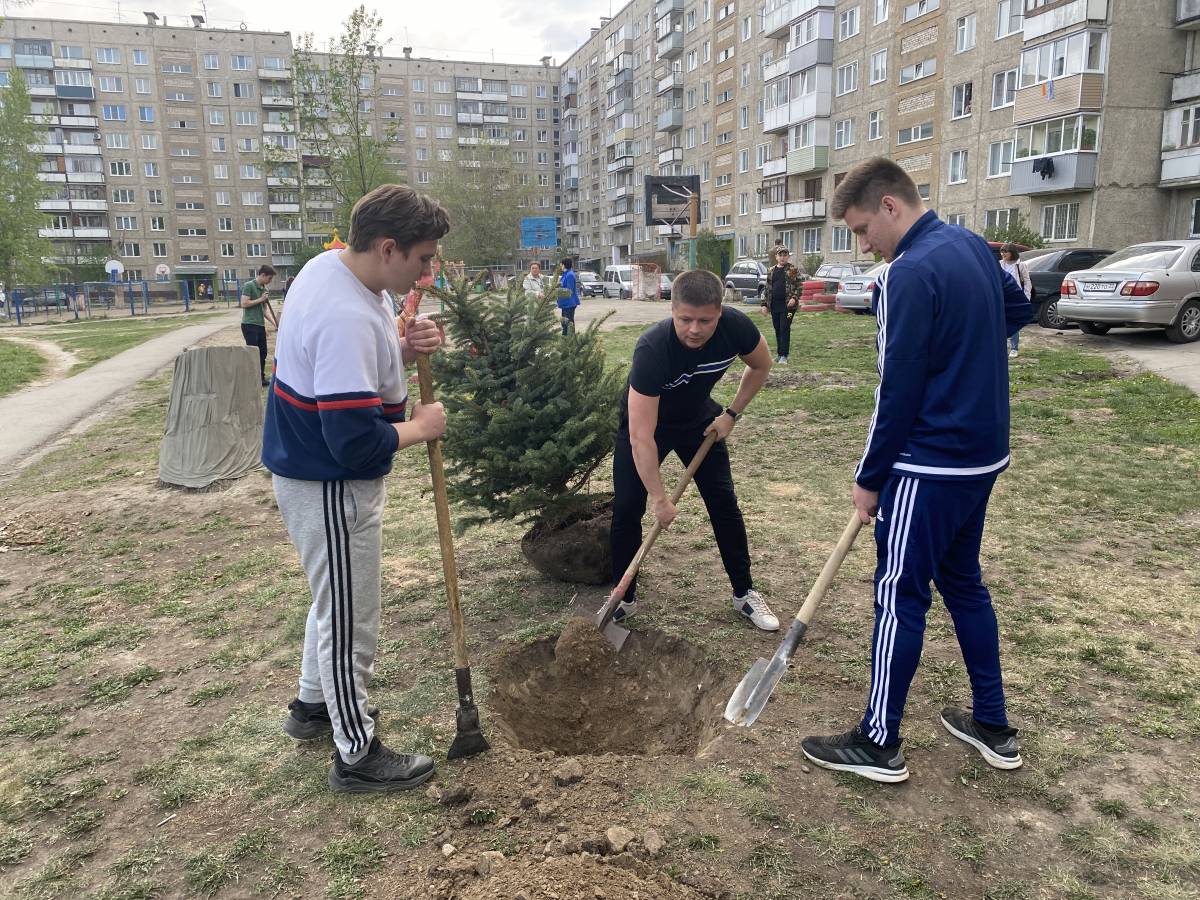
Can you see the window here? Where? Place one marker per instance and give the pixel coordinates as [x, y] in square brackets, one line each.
[255, 223]
[964, 33]
[743, 161]
[518, 90]
[158, 248]
[1080, 52]
[762, 155]
[725, 54]
[879, 66]
[252, 198]
[116, 140]
[723, 180]
[249, 170]
[959, 219]
[243, 90]
[812, 240]
[130, 248]
[120, 169]
[158, 223]
[150, 142]
[443, 109]
[245, 117]
[112, 113]
[998, 219]
[227, 249]
[110, 84]
[189, 205]
[923, 191]
[1195, 228]
[221, 171]
[224, 198]
[874, 125]
[418, 85]
[724, 12]
[1004, 89]
[141, 85]
[255, 250]
[1065, 135]
[241, 63]
[958, 166]
[193, 232]
[922, 132]
[1060, 222]
[881, 11]
[225, 223]
[847, 79]
[916, 71]
[840, 239]
[747, 28]
[744, 117]
[1009, 18]
[911, 11]
[154, 196]
[146, 114]
[962, 100]
[122, 195]
[843, 134]
[689, 138]
[109, 55]
[177, 68]
[247, 145]
[125, 223]
[140, 57]
[419, 109]
[150, 169]
[441, 86]
[539, 90]
[848, 23]
[211, 62]
[1000, 157]
[216, 117]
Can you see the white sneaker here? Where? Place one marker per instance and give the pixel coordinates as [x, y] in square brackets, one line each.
[1012, 354]
[754, 607]
[783, 361]
[624, 611]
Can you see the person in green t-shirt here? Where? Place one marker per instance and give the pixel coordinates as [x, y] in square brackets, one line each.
[256, 308]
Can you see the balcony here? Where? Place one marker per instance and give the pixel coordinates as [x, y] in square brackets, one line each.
[793, 211]
[671, 120]
[776, 69]
[619, 108]
[617, 49]
[33, 61]
[42, 90]
[54, 205]
[92, 234]
[81, 149]
[495, 120]
[279, 128]
[278, 102]
[47, 149]
[1185, 86]
[775, 167]
[74, 92]
[1041, 22]
[78, 121]
[1070, 94]
[61, 62]
[621, 163]
[625, 190]
[672, 82]
[621, 220]
[85, 178]
[286, 234]
[670, 46]
[777, 18]
[666, 7]
[1180, 168]
[275, 74]
[282, 181]
[814, 53]
[282, 259]
[670, 156]
[89, 205]
[571, 183]
[1187, 14]
[570, 88]
[283, 208]
[52, 177]
[1074, 171]
[808, 159]
[470, 118]
[477, 141]
[55, 233]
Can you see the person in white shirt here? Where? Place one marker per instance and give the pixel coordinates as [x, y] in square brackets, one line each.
[1010, 262]
[534, 284]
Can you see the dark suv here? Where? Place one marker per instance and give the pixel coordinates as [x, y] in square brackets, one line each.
[748, 277]
[1047, 271]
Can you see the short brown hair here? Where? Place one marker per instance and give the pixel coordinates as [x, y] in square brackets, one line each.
[1011, 250]
[697, 287]
[397, 212]
[869, 182]
[265, 269]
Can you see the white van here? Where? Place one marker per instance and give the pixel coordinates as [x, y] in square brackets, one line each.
[618, 282]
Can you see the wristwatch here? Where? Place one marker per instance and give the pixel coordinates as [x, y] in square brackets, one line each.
[729, 412]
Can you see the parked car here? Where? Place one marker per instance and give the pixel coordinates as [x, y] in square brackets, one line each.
[1154, 285]
[590, 284]
[748, 277]
[839, 271]
[854, 294]
[665, 288]
[618, 282]
[1047, 269]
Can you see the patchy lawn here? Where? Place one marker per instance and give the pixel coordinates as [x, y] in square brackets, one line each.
[151, 638]
[19, 365]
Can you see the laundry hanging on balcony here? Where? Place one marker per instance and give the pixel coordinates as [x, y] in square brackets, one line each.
[1044, 167]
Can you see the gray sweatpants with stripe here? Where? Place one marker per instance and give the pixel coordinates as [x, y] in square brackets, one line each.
[337, 528]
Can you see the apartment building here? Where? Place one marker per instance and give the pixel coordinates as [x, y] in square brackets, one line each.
[175, 149]
[997, 108]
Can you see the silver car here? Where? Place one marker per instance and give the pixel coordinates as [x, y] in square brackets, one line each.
[854, 294]
[1153, 285]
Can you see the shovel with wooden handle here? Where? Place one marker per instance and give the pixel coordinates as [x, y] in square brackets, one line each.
[752, 693]
[469, 738]
[615, 633]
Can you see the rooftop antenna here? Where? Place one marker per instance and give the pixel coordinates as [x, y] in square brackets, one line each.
[151, 18]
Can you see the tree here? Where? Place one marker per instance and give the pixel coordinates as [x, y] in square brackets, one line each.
[1015, 232]
[483, 191]
[22, 251]
[303, 253]
[336, 96]
[812, 262]
[532, 412]
[710, 252]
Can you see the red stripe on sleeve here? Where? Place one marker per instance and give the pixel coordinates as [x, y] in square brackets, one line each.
[300, 404]
[349, 404]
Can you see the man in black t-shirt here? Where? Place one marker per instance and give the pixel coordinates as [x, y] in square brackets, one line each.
[667, 407]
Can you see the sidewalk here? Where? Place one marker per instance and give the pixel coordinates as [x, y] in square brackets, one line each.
[37, 415]
[1179, 363]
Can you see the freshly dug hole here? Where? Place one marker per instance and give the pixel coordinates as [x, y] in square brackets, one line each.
[660, 695]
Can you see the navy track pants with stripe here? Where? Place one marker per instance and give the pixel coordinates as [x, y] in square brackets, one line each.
[930, 530]
[337, 528]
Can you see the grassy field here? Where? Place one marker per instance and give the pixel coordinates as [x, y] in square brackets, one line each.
[95, 340]
[19, 365]
[150, 643]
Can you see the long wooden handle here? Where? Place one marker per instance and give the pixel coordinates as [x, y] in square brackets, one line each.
[817, 594]
[445, 535]
[688, 474]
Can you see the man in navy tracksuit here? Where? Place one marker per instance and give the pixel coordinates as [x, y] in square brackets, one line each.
[936, 442]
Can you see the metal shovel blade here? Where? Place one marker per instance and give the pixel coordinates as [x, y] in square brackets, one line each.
[613, 633]
[752, 693]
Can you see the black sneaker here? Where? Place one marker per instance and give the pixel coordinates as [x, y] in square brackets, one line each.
[855, 752]
[379, 771]
[998, 747]
[309, 721]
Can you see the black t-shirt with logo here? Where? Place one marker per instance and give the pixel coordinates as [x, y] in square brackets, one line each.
[682, 378]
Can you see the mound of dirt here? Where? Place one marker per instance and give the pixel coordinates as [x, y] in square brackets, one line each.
[577, 550]
[660, 695]
[582, 650]
[582, 877]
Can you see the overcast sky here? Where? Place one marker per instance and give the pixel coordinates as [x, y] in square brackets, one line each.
[516, 31]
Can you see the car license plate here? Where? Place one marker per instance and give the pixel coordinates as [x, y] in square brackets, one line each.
[854, 286]
[1099, 285]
